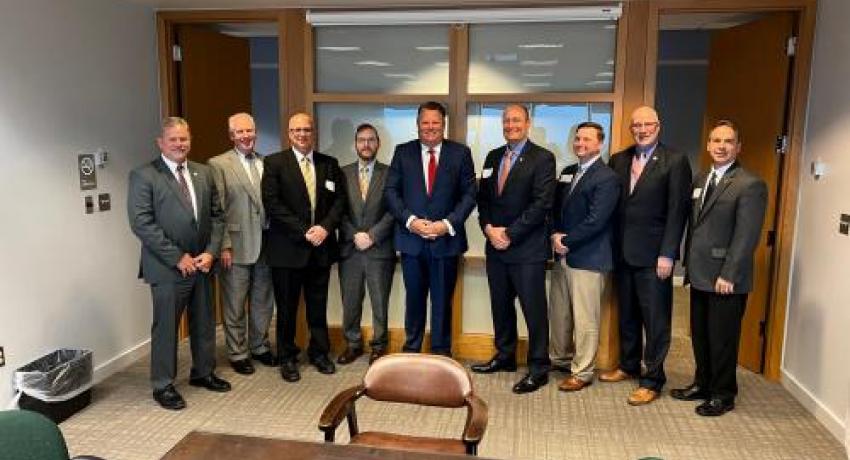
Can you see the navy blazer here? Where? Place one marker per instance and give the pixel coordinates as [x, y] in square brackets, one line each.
[453, 197]
[524, 205]
[586, 216]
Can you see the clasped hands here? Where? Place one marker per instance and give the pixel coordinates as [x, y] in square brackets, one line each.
[362, 241]
[316, 235]
[498, 237]
[188, 265]
[558, 245]
[430, 230]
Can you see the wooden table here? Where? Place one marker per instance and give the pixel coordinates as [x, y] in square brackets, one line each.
[199, 445]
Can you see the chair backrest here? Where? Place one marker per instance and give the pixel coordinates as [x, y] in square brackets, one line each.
[26, 435]
[429, 380]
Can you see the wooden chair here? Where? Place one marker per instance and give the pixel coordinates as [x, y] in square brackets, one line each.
[420, 379]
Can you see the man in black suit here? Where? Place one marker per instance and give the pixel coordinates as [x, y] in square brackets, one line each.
[728, 213]
[514, 199]
[430, 191]
[175, 212]
[585, 202]
[655, 200]
[304, 197]
[368, 255]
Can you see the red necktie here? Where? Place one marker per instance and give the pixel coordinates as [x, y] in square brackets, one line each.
[432, 169]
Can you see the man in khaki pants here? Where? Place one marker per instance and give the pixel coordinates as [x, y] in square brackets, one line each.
[584, 204]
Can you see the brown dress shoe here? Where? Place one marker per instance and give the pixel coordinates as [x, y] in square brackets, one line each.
[617, 375]
[642, 396]
[573, 383]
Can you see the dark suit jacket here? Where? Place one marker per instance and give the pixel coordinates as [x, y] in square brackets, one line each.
[724, 231]
[651, 220]
[453, 196]
[164, 222]
[370, 216]
[288, 209]
[524, 205]
[586, 216]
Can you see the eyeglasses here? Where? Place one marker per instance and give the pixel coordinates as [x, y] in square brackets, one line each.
[301, 130]
[648, 125]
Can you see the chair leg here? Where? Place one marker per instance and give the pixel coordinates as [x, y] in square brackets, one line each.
[353, 429]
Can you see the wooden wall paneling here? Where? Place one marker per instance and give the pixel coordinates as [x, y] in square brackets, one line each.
[636, 18]
[295, 39]
[789, 194]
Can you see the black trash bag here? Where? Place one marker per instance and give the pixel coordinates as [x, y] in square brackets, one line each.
[57, 376]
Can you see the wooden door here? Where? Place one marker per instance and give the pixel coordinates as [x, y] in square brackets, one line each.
[215, 82]
[748, 83]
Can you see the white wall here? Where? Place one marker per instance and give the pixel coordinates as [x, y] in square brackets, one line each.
[817, 339]
[76, 76]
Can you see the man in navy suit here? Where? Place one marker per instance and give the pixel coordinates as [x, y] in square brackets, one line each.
[430, 191]
[514, 199]
[585, 203]
[654, 204]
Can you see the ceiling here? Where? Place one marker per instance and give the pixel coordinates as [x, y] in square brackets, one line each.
[345, 4]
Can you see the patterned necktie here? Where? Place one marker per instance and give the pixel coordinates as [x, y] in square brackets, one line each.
[309, 181]
[574, 183]
[432, 169]
[252, 167]
[184, 186]
[709, 189]
[364, 182]
[506, 169]
[637, 169]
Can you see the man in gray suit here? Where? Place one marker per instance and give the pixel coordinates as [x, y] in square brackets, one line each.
[175, 212]
[244, 273]
[724, 228]
[366, 248]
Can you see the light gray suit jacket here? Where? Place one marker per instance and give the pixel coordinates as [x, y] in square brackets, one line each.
[164, 222]
[370, 216]
[724, 231]
[242, 203]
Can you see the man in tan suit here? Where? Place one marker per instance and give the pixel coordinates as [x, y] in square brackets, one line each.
[244, 272]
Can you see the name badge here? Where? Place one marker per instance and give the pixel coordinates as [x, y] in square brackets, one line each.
[697, 193]
[566, 178]
[329, 184]
[486, 173]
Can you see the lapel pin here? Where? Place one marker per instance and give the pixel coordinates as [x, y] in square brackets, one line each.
[654, 158]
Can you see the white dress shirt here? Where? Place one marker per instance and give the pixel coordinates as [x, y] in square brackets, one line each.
[426, 158]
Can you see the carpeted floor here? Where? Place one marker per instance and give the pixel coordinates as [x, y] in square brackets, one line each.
[124, 423]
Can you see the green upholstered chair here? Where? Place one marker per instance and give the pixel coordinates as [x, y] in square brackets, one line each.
[26, 435]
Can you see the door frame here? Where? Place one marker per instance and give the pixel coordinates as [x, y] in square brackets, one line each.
[789, 179]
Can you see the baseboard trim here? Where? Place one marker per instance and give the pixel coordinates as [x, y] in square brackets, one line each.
[823, 414]
[122, 361]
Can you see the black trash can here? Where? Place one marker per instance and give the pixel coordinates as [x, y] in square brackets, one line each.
[56, 385]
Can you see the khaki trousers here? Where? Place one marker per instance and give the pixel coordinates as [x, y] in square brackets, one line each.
[575, 303]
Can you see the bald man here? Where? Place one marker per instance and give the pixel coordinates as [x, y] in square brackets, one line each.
[304, 198]
[654, 205]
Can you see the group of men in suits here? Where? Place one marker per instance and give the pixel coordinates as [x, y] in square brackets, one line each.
[273, 225]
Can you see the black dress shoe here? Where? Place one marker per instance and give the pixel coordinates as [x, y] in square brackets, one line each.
[289, 371]
[212, 383]
[349, 355]
[494, 365]
[376, 353]
[530, 383]
[169, 398]
[266, 359]
[323, 364]
[692, 392]
[715, 407]
[242, 366]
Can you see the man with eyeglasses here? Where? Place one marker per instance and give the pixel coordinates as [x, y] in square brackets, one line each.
[654, 204]
[304, 197]
[366, 248]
